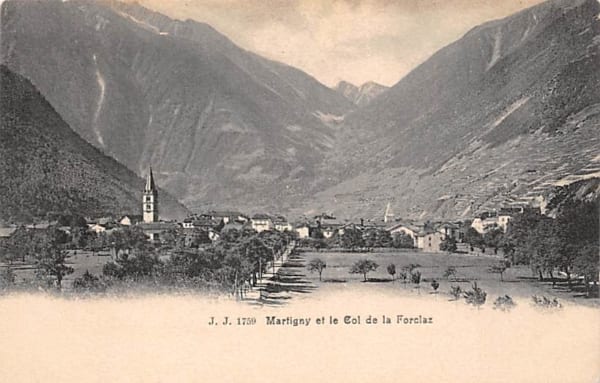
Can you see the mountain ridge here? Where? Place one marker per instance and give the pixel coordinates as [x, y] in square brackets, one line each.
[459, 133]
[220, 125]
[360, 95]
[48, 168]
[494, 118]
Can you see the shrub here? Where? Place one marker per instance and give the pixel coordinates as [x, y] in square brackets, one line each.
[415, 277]
[476, 296]
[456, 292]
[88, 282]
[7, 278]
[544, 302]
[504, 303]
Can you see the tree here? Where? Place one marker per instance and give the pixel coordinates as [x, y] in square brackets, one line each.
[448, 244]
[352, 238]
[499, 268]
[586, 264]
[384, 238]
[391, 269]
[317, 265]
[88, 282]
[504, 303]
[370, 238]
[473, 238]
[456, 292]
[19, 244]
[476, 296]
[493, 238]
[403, 241]
[435, 285]
[450, 272]
[415, 277]
[7, 277]
[363, 267]
[52, 259]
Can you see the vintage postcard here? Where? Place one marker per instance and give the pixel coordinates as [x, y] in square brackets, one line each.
[299, 191]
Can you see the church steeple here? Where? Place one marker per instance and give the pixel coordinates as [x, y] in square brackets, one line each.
[150, 199]
[150, 182]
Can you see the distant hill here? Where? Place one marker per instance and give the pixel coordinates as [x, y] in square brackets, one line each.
[500, 116]
[362, 95]
[47, 168]
[221, 126]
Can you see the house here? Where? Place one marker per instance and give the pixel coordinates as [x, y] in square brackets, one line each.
[331, 229]
[204, 223]
[503, 221]
[154, 230]
[227, 216]
[483, 225]
[401, 228]
[188, 223]
[6, 232]
[97, 228]
[128, 220]
[303, 230]
[281, 224]
[43, 225]
[429, 241]
[233, 226]
[449, 230]
[261, 222]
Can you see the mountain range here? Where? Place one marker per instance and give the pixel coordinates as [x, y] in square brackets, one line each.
[360, 95]
[501, 116]
[220, 126]
[47, 168]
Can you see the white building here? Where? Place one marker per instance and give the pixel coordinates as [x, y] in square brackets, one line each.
[482, 226]
[503, 221]
[303, 231]
[429, 242]
[97, 228]
[261, 222]
[406, 230]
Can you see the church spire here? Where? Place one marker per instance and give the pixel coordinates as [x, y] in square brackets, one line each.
[150, 182]
[150, 200]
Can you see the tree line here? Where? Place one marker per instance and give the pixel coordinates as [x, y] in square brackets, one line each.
[233, 264]
[567, 244]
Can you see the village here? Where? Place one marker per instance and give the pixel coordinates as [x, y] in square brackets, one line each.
[258, 256]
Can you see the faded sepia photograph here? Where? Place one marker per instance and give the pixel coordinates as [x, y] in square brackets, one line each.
[300, 191]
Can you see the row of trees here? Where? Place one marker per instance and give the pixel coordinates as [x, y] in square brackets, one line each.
[568, 243]
[233, 263]
[354, 238]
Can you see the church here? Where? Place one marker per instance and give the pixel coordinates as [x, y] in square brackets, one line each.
[151, 224]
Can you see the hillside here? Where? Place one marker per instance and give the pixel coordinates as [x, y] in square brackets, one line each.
[47, 168]
[360, 95]
[221, 126]
[500, 116]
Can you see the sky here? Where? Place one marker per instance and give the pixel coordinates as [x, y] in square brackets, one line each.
[351, 40]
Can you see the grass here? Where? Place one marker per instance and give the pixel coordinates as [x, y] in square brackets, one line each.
[518, 280]
[79, 260]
